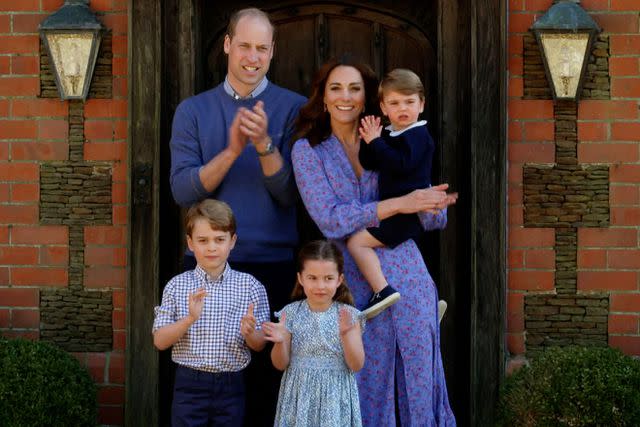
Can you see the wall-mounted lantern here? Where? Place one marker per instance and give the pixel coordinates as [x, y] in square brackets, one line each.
[565, 35]
[72, 37]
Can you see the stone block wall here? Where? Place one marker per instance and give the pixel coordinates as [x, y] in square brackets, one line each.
[64, 198]
[574, 190]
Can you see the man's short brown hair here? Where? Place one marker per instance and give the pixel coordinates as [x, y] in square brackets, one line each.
[252, 12]
[217, 213]
[402, 81]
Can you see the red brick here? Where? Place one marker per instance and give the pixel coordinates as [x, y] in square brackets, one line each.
[607, 152]
[607, 237]
[26, 334]
[625, 5]
[96, 255]
[515, 343]
[120, 128]
[592, 131]
[47, 276]
[5, 193]
[537, 5]
[4, 103]
[118, 319]
[54, 255]
[117, 23]
[539, 131]
[119, 66]
[116, 368]
[51, 5]
[119, 45]
[5, 319]
[4, 234]
[101, 5]
[105, 108]
[23, 23]
[19, 171]
[119, 297]
[5, 23]
[105, 235]
[532, 152]
[18, 255]
[25, 319]
[628, 44]
[515, 363]
[540, 259]
[624, 173]
[96, 365]
[607, 280]
[25, 193]
[58, 150]
[516, 66]
[530, 109]
[514, 195]
[624, 195]
[604, 110]
[104, 277]
[515, 312]
[531, 237]
[515, 44]
[18, 129]
[119, 340]
[120, 172]
[40, 235]
[39, 107]
[623, 324]
[629, 345]
[624, 259]
[625, 131]
[25, 65]
[618, 22]
[516, 215]
[18, 214]
[111, 395]
[22, 5]
[624, 66]
[120, 5]
[98, 129]
[625, 216]
[5, 65]
[19, 44]
[516, 87]
[19, 297]
[4, 276]
[520, 22]
[119, 192]
[592, 258]
[119, 214]
[4, 150]
[625, 87]
[19, 86]
[105, 151]
[531, 280]
[627, 302]
[120, 87]
[111, 415]
[595, 4]
[53, 129]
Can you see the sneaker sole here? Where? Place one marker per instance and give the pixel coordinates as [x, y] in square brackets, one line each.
[442, 307]
[374, 310]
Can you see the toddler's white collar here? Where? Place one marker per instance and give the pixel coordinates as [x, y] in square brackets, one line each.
[399, 132]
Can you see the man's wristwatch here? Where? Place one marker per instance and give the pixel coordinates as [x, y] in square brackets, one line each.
[268, 150]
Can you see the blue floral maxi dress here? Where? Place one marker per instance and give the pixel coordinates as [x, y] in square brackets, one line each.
[317, 389]
[402, 344]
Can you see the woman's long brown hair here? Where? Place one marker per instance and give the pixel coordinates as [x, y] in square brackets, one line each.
[323, 250]
[313, 123]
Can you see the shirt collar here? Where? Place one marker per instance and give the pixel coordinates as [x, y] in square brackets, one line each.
[204, 276]
[399, 132]
[254, 93]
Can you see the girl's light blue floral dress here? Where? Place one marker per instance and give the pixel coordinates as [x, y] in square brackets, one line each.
[317, 389]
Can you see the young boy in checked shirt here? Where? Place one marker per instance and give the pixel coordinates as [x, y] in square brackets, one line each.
[211, 316]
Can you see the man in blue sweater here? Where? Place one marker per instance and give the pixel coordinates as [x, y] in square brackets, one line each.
[232, 143]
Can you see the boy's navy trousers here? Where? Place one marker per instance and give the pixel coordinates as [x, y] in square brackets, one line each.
[207, 399]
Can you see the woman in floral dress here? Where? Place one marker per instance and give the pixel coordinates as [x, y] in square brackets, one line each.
[402, 344]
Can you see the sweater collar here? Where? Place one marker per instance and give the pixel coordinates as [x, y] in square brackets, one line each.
[262, 86]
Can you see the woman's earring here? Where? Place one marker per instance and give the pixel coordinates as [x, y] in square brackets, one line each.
[325, 107]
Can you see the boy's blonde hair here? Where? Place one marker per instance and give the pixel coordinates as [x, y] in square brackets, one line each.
[217, 213]
[402, 81]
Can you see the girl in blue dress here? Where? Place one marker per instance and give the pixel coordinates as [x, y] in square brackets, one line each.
[318, 343]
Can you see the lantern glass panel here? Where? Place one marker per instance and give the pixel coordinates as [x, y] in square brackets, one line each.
[71, 54]
[565, 55]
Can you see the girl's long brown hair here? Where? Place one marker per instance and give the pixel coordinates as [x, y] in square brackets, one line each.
[313, 123]
[323, 250]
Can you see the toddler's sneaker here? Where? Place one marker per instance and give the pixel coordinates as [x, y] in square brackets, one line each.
[381, 300]
[442, 307]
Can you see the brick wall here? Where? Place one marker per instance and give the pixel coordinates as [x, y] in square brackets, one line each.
[65, 261]
[564, 289]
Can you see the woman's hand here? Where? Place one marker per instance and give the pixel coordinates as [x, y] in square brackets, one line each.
[431, 199]
[276, 332]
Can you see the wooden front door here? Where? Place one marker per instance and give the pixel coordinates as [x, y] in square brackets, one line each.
[455, 48]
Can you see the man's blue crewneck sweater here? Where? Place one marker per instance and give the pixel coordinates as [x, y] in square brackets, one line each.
[264, 207]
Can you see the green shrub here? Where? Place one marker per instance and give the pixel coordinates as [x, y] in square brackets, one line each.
[41, 385]
[573, 386]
